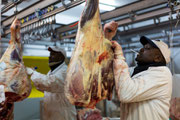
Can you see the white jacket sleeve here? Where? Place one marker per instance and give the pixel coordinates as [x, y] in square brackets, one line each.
[149, 86]
[50, 83]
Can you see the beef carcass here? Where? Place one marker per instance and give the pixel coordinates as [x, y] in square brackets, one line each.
[89, 114]
[12, 70]
[6, 111]
[175, 108]
[89, 76]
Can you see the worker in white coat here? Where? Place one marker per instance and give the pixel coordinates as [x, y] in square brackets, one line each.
[146, 94]
[56, 105]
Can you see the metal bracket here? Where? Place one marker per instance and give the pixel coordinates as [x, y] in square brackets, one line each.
[66, 5]
[156, 21]
[2, 30]
[132, 15]
[177, 17]
[37, 13]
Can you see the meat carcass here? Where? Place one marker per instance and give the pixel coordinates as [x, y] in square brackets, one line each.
[12, 70]
[89, 76]
[89, 114]
[175, 109]
[6, 111]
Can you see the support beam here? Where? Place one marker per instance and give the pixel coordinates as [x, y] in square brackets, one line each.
[69, 36]
[10, 5]
[132, 7]
[155, 28]
[127, 21]
[146, 16]
[66, 28]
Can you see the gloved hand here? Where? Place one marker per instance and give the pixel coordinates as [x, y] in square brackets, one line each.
[118, 53]
[110, 29]
[29, 71]
[2, 94]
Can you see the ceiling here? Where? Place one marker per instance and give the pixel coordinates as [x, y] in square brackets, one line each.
[72, 15]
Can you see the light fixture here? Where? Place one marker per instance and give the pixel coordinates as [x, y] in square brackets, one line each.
[108, 2]
[65, 19]
[103, 7]
[106, 7]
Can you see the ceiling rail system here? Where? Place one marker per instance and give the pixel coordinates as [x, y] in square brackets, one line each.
[120, 11]
[26, 12]
[10, 5]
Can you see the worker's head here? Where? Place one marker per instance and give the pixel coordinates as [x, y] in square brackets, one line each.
[153, 51]
[57, 55]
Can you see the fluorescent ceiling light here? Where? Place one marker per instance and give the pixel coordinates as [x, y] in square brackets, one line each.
[66, 19]
[106, 7]
[69, 16]
[102, 7]
[72, 15]
[109, 2]
[116, 3]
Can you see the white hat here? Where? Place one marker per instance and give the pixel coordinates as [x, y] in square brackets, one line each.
[162, 46]
[57, 49]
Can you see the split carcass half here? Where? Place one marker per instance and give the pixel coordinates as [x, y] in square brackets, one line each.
[13, 74]
[90, 72]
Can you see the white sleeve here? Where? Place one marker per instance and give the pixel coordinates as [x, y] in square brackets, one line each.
[2, 94]
[152, 85]
[50, 83]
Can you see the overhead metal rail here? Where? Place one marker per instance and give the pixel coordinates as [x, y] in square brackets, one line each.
[54, 12]
[131, 7]
[127, 21]
[146, 16]
[10, 5]
[29, 10]
[120, 11]
[146, 29]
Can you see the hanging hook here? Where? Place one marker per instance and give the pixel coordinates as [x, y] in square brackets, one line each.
[65, 4]
[15, 9]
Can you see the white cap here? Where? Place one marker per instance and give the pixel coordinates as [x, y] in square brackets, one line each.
[57, 49]
[162, 46]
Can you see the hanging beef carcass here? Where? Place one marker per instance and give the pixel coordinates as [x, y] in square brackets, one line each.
[6, 111]
[90, 72]
[12, 70]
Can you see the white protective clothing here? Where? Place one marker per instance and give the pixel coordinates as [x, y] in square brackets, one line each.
[175, 100]
[146, 95]
[56, 105]
[2, 93]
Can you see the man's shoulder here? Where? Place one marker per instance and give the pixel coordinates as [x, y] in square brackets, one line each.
[159, 68]
[161, 71]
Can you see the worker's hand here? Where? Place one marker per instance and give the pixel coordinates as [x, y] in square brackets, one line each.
[118, 53]
[29, 71]
[110, 29]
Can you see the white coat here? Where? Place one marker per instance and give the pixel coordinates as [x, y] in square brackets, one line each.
[146, 95]
[56, 106]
